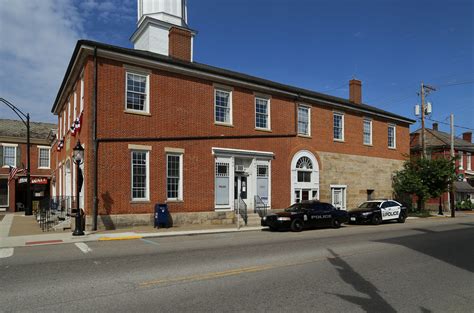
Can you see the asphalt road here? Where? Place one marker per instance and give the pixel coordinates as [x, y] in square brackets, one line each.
[421, 266]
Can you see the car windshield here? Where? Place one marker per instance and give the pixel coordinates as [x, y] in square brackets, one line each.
[369, 205]
[295, 207]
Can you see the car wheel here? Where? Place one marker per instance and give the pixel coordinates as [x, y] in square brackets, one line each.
[296, 225]
[336, 223]
[402, 218]
[376, 220]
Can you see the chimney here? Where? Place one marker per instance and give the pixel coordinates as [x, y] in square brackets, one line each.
[467, 136]
[355, 91]
[435, 126]
[180, 44]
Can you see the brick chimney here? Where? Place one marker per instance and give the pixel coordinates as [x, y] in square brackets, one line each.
[435, 126]
[467, 136]
[180, 44]
[355, 91]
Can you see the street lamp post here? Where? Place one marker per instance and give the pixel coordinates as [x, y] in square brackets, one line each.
[19, 113]
[78, 158]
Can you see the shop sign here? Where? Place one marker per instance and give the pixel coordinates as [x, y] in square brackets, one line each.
[34, 180]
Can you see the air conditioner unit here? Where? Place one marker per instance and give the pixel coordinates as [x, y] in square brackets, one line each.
[239, 168]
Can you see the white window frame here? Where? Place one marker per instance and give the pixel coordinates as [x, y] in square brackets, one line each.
[468, 160]
[140, 72]
[68, 124]
[81, 95]
[344, 195]
[75, 107]
[180, 178]
[8, 195]
[394, 136]
[229, 91]
[268, 112]
[39, 157]
[147, 190]
[367, 120]
[334, 114]
[11, 145]
[60, 126]
[308, 108]
[461, 160]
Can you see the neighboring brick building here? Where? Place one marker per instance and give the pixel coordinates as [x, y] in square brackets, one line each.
[13, 154]
[158, 127]
[438, 145]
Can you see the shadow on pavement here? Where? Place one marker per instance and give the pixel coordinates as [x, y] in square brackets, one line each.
[451, 246]
[373, 302]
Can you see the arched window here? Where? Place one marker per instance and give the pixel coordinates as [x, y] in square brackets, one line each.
[304, 177]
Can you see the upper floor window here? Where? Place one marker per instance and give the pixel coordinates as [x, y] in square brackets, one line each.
[468, 161]
[174, 176]
[81, 97]
[140, 170]
[461, 160]
[43, 157]
[262, 113]
[338, 120]
[137, 92]
[304, 168]
[75, 107]
[223, 106]
[9, 155]
[367, 132]
[392, 136]
[304, 120]
[68, 124]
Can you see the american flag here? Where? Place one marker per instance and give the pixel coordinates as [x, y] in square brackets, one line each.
[13, 172]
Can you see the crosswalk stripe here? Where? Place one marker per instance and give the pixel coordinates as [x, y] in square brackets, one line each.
[83, 247]
[6, 253]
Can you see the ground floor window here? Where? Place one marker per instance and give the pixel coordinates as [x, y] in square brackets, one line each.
[222, 183]
[338, 196]
[174, 178]
[140, 175]
[3, 192]
[304, 177]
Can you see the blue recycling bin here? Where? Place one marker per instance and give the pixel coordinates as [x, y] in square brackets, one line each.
[161, 215]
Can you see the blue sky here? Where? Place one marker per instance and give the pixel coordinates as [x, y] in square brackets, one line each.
[390, 45]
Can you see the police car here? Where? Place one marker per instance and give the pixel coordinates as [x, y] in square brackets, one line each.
[306, 214]
[378, 211]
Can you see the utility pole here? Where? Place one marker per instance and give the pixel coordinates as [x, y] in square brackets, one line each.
[451, 193]
[423, 143]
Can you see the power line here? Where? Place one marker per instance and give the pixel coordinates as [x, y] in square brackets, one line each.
[457, 126]
[456, 84]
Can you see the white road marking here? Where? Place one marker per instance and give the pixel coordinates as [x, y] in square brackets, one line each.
[6, 253]
[83, 247]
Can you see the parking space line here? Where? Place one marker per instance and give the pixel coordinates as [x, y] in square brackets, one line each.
[83, 247]
[6, 253]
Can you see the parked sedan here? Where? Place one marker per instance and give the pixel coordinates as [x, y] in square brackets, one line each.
[307, 214]
[378, 211]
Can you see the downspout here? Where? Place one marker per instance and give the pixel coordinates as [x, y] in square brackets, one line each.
[95, 145]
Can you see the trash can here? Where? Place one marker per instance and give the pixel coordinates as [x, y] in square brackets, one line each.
[161, 215]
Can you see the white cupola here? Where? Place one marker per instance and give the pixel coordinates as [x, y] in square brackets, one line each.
[162, 28]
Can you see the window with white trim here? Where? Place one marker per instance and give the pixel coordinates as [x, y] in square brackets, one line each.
[223, 106]
[367, 132]
[468, 161]
[392, 136]
[338, 196]
[68, 124]
[338, 125]
[75, 107]
[262, 113]
[140, 170]
[81, 105]
[461, 160]
[137, 92]
[174, 176]
[9, 156]
[222, 183]
[304, 120]
[64, 122]
[43, 157]
[304, 168]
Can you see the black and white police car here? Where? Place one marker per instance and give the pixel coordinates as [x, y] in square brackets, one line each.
[378, 211]
[306, 214]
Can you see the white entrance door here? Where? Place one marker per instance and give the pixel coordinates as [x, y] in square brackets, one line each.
[338, 197]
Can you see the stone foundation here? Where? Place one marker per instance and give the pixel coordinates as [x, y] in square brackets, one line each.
[111, 222]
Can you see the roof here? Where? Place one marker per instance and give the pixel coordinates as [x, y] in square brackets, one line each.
[439, 139]
[462, 186]
[222, 72]
[16, 128]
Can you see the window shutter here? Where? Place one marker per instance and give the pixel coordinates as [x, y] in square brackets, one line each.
[1, 156]
[18, 156]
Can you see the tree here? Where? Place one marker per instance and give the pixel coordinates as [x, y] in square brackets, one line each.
[424, 178]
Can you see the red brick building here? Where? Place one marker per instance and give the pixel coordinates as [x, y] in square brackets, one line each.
[13, 154]
[438, 145]
[158, 127]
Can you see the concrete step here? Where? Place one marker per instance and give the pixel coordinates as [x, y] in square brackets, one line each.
[253, 219]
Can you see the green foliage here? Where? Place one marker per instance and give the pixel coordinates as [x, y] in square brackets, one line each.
[464, 205]
[424, 178]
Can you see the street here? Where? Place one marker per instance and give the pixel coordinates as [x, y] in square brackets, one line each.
[424, 265]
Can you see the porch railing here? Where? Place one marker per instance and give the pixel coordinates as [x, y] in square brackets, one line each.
[260, 206]
[240, 207]
[54, 211]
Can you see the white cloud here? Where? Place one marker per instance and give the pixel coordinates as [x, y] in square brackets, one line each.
[37, 38]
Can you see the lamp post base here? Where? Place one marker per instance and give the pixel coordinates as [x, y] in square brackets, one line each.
[78, 233]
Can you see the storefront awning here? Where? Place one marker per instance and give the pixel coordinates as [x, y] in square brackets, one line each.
[462, 186]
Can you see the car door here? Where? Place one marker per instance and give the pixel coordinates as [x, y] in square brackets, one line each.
[390, 210]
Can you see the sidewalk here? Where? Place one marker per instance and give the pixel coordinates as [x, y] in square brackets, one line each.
[17, 230]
